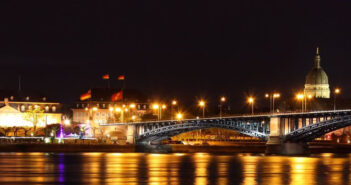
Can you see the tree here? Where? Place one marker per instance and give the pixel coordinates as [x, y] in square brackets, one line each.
[34, 116]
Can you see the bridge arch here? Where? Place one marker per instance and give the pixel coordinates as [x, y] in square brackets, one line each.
[313, 131]
[254, 128]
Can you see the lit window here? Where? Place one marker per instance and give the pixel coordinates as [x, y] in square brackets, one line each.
[30, 107]
[27, 98]
[77, 105]
[103, 105]
[11, 98]
[44, 98]
[23, 108]
[47, 108]
[53, 108]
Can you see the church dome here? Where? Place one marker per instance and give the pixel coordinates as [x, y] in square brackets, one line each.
[317, 75]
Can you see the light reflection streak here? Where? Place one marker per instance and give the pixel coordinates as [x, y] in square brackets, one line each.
[249, 169]
[173, 169]
[201, 162]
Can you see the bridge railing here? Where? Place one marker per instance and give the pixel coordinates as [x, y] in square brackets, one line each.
[257, 115]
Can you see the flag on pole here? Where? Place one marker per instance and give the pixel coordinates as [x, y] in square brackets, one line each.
[85, 96]
[106, 77]
[121, 77]
[117, 96]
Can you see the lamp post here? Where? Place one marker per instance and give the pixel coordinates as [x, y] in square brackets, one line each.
[221, 101]
[275, 95]
[156, 107]
[272, 98]
[202, 105]
[159, 110]
[162, 107]
[308, 97]
[336, 92]
[300, 97]
[179, 116]
[251, 101]
[174, 103]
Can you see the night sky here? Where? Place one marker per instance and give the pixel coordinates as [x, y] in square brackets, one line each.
[175, 48]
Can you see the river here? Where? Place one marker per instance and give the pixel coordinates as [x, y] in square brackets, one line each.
[173, 169]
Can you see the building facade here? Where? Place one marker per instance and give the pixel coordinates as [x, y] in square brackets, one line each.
[98, 111]
[28, 113]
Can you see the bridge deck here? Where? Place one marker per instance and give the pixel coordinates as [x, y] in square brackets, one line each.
[267, 115]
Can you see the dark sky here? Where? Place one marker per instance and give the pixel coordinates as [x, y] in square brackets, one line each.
[173, 48]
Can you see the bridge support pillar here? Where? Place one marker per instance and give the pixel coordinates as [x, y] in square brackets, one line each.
[274, 143]
[131, 133]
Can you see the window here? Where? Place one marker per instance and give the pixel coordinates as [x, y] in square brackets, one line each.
[47, 108]
[53, 108]
[23, 108]
[27, 98]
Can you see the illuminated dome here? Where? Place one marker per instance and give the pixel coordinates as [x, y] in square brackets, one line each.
[317, 84]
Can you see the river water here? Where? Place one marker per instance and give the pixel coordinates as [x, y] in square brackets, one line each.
[174, 169]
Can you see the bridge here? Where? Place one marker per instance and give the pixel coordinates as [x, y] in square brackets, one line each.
[279, 130]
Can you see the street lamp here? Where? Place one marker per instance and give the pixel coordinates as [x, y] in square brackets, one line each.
[156, 107]
[179, 116]
[300, 97]
[308, 97]
[174, 103]
[336, 92]
[275, 95]
[221, 101]
[202, 105]
[272, 97]
[251, 101]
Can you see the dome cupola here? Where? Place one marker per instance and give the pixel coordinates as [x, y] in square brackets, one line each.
[317, 83]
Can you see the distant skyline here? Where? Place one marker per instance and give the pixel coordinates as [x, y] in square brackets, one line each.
[181, 49]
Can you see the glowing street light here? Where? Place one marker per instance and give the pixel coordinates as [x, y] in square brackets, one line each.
[272, 98]
[118, 109]
[155, 106]
[307, 98]
[159, 109]
[174, 103]
[251, 101]
[132, 106]
[67, 122]
[336, 92]
[221, 101]
[179, 116]
[301, 98]
[202, 104]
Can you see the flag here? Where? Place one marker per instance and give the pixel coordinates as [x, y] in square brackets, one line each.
[121, 77]
[117, 96]
[85, 96]
[106, 77]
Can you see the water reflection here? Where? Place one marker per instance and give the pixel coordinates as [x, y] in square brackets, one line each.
[173, 169]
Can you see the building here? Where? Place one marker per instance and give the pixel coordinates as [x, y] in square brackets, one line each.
[317, 84]
[27, 113]
[103, 106]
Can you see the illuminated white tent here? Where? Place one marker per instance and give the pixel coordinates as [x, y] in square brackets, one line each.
[10, 117]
